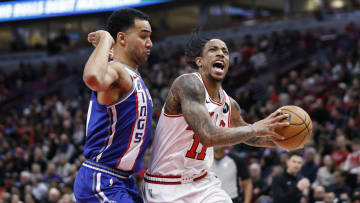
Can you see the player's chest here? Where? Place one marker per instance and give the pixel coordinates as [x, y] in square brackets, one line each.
[219, 114]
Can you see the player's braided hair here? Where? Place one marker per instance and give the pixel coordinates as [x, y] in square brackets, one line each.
[195, 46]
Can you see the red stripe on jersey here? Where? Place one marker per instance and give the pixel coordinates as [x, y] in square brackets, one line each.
[198, 178]
[173, 114]
[162, 183]
[161, 176]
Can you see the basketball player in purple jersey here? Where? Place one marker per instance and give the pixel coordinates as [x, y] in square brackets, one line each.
[120, 110]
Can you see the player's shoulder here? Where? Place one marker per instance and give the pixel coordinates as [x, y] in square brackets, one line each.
[186, 76]
[235, 104]
[188, 80]
[123, 69]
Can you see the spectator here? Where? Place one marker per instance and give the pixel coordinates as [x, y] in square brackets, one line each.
[39, 189]
[356, 195]
[325, 175]
[51, 177]
[344, 198]
[329, 197]
[64, 147]
[23, 183]
[36, 171]
[310, 168]
[352, 162]
[341, 152]
[339, 185]
[63, 168]
[318, 194]
[275, 171]
[53, 195]
[290, 186]
[39, 158]
[260, 187]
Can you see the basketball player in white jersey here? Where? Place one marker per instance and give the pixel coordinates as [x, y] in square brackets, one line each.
[198, 115]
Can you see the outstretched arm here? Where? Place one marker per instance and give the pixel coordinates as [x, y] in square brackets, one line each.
[237, 120]
[190, 93]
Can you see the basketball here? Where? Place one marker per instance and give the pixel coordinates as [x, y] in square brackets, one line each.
[299, 130]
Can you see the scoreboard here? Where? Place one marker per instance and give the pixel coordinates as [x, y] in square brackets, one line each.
[30, 9]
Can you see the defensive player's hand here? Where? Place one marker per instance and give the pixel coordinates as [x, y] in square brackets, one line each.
[95, 37]
[267, 126]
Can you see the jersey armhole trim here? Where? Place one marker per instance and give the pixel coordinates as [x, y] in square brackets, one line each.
[124, 97]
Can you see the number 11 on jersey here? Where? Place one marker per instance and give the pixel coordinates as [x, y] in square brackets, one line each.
[192, 152]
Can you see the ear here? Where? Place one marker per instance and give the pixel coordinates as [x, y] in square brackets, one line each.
[121, 38]
[198, 61]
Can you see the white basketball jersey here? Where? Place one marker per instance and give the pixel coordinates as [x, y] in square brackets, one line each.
[176, 150]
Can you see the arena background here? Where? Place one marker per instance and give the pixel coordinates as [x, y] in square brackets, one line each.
[283, 52]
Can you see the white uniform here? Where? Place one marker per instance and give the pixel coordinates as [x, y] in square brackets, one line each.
[179, 164]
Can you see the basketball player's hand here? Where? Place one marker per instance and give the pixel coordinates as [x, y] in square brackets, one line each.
[303, 184]
[267, 126]
[95, 37]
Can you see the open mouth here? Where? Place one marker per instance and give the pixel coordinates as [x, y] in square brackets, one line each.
[219, 65]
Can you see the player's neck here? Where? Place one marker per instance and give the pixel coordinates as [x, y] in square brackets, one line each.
[213, 87]
[119, 56]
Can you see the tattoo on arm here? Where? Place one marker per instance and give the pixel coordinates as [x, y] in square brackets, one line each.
[191, 94]
[261, 142]
[172, 103]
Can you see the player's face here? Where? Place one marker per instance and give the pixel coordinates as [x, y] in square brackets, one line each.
[139, 42]
[294, 164]
[215, 59]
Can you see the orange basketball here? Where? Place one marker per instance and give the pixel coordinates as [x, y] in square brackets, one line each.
[299, 130]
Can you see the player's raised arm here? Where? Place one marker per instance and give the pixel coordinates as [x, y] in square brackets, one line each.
[237, 121]
[191, 94]
[99, 74]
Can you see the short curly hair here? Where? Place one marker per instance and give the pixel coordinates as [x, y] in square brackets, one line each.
[123, 19]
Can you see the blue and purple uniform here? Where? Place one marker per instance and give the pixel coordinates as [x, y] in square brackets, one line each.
[116, 139]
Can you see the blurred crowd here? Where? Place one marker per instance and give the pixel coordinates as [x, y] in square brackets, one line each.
[42, 135]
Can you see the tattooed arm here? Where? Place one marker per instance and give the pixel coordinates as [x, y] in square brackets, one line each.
[187, 95]
[237, 120]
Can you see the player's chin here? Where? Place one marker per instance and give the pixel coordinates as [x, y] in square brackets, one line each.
[217, 77]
